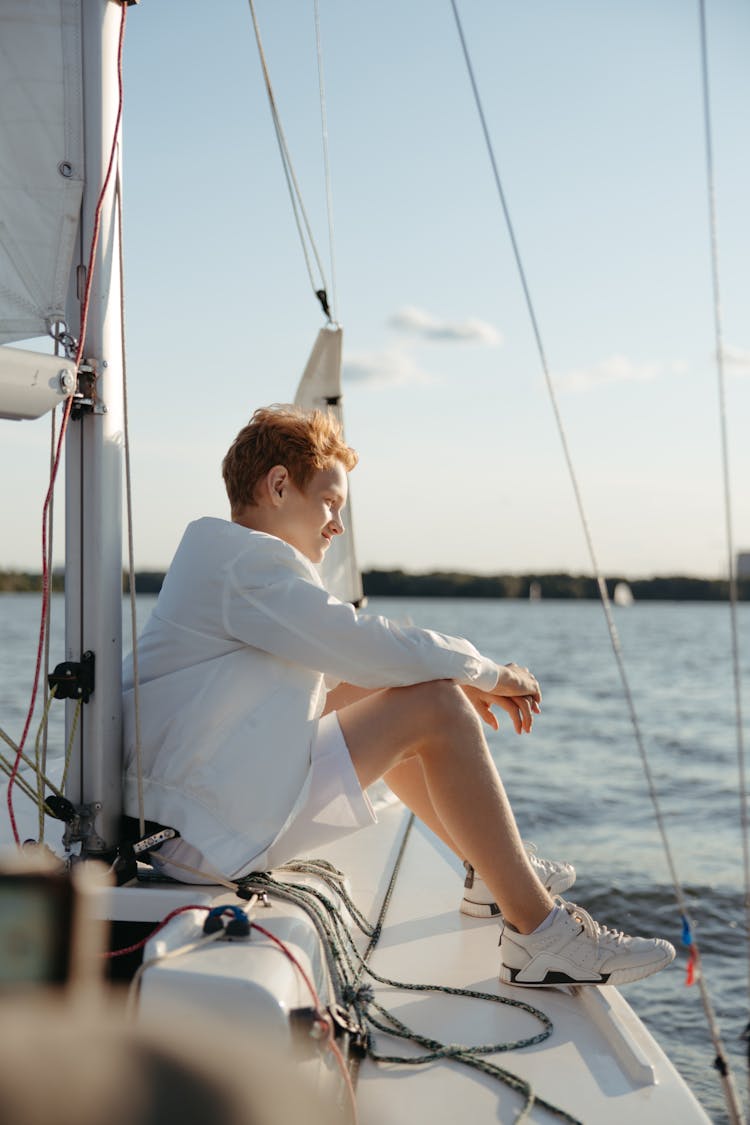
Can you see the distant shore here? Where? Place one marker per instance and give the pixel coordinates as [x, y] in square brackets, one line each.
[454, 584]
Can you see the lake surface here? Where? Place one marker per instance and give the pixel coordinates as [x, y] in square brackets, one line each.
[577, 783]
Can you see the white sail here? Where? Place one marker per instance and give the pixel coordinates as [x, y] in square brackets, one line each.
[320, 389]
[41, 161]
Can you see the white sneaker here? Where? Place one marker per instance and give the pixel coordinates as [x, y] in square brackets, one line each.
[479, 901]
[574, 949]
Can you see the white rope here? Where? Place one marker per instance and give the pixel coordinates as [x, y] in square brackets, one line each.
[135, 984]
[215, 876]
[326, 163]
[605, 601]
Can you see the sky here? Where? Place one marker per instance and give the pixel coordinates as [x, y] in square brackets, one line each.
[596, 117]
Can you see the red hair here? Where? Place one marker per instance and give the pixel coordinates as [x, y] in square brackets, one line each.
[302, 441]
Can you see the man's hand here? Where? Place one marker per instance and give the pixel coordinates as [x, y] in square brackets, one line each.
[521, 705]
[516, 681]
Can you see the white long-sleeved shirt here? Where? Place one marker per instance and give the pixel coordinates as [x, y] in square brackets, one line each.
[234, 664]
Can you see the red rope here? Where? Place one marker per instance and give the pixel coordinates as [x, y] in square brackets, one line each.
[324, 1018]
[140, 944]
[288, 953]
[63, 428]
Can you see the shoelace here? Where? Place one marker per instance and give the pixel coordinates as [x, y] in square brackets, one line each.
[593, 929]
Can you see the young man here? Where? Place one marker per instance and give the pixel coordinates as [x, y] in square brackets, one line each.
[267, 708]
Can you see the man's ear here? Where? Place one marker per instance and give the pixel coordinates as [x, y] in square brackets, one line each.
[276, 484]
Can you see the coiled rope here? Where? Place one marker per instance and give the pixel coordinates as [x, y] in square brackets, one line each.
[347, 969]
[688, 928]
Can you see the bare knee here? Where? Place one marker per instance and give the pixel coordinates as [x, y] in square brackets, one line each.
[389, 727]
[445, 710]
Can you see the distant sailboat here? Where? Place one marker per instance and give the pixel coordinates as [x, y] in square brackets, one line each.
[623, 595]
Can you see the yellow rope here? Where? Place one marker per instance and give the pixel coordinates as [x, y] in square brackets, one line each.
[20, 781]
[42, 781]
[69, 747]
[27, 761]
[40, 778]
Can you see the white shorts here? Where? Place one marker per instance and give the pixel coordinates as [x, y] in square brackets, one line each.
[334, 805]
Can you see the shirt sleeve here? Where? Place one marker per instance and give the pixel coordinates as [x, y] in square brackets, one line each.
[274, 602]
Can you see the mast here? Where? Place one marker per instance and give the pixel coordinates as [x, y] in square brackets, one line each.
[94, 451]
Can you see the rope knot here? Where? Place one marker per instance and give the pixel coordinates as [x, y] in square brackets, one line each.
[358, 997]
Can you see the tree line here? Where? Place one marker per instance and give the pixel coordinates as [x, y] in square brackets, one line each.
[456, 584]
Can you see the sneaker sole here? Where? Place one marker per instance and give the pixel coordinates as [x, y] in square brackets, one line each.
[616, 977]
[480, 909]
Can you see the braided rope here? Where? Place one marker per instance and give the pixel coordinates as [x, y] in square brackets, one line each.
[347, 966]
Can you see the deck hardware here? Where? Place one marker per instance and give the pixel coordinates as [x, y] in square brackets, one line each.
[80, 829]
[61, 808]
[74, 680]
[309, 1027]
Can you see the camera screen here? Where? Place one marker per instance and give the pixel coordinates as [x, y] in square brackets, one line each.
[35, 921]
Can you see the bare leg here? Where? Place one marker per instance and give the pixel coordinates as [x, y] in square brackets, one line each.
[408, 782]
[435, 723]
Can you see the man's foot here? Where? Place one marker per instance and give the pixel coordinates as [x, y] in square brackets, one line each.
[479, 901]
[574, 949]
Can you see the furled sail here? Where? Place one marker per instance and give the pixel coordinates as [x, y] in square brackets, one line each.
[41, 161]
[320, 388]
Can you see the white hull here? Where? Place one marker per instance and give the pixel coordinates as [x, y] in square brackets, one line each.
[599, 1063]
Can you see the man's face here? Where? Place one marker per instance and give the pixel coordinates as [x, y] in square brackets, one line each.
[310, 519]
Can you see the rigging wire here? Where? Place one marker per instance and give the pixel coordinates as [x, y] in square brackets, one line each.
[326, 163]
[64, 426]
[688, 929]
[307, 241]
[129, 520]
[724, 437]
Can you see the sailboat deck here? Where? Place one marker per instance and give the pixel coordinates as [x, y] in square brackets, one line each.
[599, 1064]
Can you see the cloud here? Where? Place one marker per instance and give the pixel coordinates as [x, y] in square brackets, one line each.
[417, 322]
[616, 369]
[738, 359]
[383, 368]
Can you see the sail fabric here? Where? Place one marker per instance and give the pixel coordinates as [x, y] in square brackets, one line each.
[41, 161]
[320, 389]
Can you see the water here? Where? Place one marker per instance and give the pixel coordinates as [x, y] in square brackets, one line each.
[577, 783]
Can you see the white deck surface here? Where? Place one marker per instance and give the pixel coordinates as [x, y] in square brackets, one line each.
[600, 1064]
